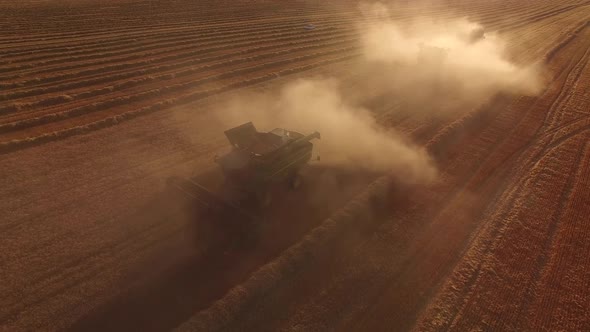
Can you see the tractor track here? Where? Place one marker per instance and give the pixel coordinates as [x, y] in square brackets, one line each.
[81, 246]
[538, 136]
[433, 290]
[502, 164]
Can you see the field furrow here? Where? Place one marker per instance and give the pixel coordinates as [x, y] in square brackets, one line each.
[102, 101]
[391, 266]
[548, 166]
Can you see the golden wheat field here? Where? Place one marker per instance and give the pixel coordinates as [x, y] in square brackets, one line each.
[466, 121]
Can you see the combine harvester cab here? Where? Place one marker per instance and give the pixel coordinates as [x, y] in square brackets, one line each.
[258, 165]
[260, 161]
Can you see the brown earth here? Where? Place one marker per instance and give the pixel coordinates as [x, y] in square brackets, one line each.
[99, 105]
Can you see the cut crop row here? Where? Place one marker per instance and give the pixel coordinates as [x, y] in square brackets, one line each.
[16, 144]
[206, 73]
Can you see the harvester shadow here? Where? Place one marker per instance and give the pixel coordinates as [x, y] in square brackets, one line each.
[163, 298]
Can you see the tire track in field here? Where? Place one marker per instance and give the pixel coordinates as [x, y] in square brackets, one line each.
[563, 97]
[64, 309]
[540, 264]
[287, 284]
[398, 282]
[564, 298]
[497, 231]
[383, 295]
[484, 163]
[470, 299]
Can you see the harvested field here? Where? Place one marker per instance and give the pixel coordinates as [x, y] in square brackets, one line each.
[102, 102]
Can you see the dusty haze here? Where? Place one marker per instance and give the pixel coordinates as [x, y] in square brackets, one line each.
[350, 135]
[441, 59]
[425, 63]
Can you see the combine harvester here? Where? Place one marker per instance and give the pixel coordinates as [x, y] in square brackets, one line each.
[258, 166]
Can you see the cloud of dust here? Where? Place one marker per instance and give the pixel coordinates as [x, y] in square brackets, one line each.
[350, 135]
[424, 62]
[427, 58]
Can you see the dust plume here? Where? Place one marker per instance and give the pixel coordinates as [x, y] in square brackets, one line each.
[427, 58]
[423, 62]
[350, 135]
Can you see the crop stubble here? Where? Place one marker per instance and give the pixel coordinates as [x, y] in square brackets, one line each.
[398, 281]
[57, 96]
